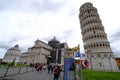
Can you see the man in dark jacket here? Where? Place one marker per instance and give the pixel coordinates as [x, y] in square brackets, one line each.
[56, 72]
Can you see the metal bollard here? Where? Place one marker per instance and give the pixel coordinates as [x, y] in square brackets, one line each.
[6, 71]
[19, 70]
[26, 68]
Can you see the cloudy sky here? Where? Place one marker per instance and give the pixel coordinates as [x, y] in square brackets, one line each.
[24, 21]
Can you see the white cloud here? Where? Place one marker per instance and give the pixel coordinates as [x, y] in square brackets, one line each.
[29, 20]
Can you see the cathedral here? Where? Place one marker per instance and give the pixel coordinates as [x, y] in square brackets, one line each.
[96, 44]
[45, 53]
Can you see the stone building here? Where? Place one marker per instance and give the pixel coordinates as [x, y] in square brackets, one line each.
[96, 44]
[55, 44]
[39, 52]
[59, 52]
[24, 58]
[12, 55]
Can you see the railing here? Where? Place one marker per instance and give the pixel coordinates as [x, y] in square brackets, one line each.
[9, 71]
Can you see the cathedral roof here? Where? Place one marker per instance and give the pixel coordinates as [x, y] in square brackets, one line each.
[54, 43]
[55, 40]
[16, 48]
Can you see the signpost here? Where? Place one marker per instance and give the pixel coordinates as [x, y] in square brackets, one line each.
[85, 63]
[78, 65]
[77, 55]
[77, 69]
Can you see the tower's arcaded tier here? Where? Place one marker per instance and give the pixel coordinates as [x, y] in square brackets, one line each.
[95, 40]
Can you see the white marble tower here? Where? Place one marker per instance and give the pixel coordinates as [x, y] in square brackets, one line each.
[96, 44]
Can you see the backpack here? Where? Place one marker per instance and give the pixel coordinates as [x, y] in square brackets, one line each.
[56, 71]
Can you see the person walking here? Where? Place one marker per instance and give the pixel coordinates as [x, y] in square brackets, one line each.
[51, 67]
[56, 73]
[60, 69]
[48, 67]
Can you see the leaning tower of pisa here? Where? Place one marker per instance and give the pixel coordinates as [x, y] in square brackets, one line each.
[96, 44]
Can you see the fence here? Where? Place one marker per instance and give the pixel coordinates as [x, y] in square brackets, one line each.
[9, 71]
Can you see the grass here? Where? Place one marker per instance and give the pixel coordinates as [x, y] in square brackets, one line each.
[20, 65]
[10, 65]
[100, 75]
[77, 74]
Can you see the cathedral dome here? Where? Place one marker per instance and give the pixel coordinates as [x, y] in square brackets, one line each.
[16, 48]
[54, 43]
[55, 40]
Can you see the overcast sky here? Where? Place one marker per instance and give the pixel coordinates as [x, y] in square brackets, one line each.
[22, 22]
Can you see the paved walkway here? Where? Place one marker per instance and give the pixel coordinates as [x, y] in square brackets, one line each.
[32, 76]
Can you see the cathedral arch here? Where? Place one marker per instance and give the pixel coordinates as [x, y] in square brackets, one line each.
[103, 44]
[100, 64]
[88, 29]
[97, 45]
[105, 55]
[111, 55]
[92, 56]
[94, 45]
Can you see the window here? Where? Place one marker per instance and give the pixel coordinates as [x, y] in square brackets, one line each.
[100, 64]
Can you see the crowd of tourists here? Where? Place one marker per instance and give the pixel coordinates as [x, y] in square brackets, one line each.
[51, 69]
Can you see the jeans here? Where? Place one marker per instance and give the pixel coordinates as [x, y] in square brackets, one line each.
[56, 76]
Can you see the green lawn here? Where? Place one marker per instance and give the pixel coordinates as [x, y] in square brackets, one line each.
[10, 65]
[100, 75]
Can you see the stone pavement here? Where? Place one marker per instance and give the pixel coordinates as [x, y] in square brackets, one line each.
[34, 75]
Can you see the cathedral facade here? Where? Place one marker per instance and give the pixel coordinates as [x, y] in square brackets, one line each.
[38, 53]
[96, 44]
